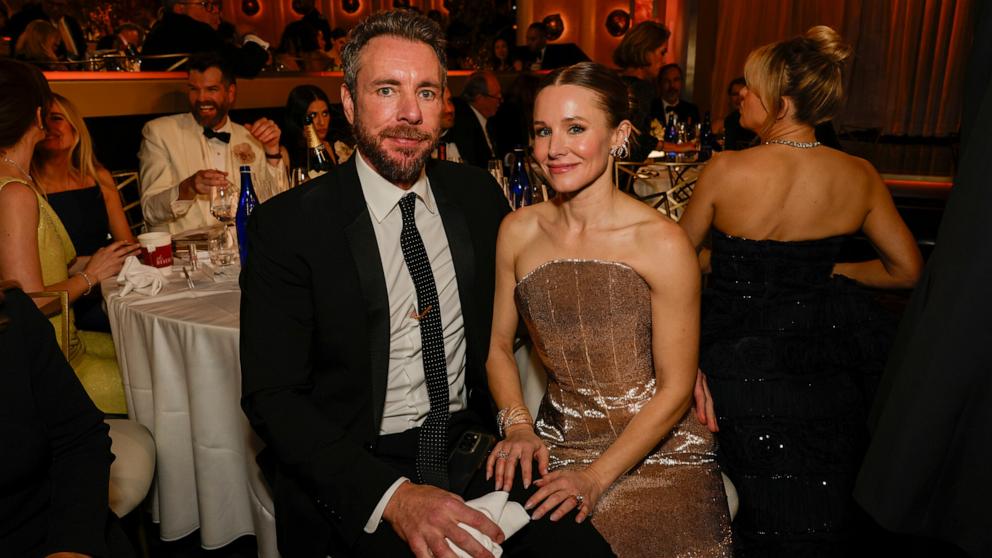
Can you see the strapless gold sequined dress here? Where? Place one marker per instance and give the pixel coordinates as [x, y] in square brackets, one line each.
[590, 322]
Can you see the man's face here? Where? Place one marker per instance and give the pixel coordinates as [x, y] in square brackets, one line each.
[210, 98]
[487, 104]
[670, 84]
[204, 11]
[735, 96]
[396, 107]
[536, 40]
[448, 116]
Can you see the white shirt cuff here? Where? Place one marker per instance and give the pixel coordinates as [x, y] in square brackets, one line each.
[376, 518]
[181, 207]
[251, 37]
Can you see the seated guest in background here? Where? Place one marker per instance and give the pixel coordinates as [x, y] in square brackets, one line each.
[338, 38]
[38, 45]
[313, 18]
[191, 27]
[73, 44]
[513, 124]
[639, 56]
[365, 316]
[56, 451]
[184, 155]
[447, 123]
[36, 251]
[670, 97]
[501, 60]
[301, 48]
[792, 343]
[304, 101]
[735, 136]
[124, 36]
[539, 55]
[83, 195]
[478, 103]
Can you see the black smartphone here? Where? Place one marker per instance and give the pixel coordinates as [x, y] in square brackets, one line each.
[468, 455]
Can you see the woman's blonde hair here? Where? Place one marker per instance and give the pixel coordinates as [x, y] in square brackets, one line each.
[807, 69]
[81, 160]
[32, 44]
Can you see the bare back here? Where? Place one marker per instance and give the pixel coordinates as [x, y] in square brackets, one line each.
[780, 192]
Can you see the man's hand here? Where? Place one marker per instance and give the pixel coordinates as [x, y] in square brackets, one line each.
[268, 134]
[424, 516]
[201, 183]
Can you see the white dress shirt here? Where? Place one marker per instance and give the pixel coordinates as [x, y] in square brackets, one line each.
[407, 401]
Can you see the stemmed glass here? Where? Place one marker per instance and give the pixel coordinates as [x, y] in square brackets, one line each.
[224, 207]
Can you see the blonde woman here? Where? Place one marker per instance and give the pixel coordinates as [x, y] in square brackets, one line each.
[790, 340]
[82, 193]
[35, 249]
[37, 45]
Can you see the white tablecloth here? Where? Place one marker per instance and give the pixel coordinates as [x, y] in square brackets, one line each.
[178, 353]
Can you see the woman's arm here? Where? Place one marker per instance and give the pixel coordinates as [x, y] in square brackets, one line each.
[899, 263]
[521, 443]
[119, 229]
[700, 212]
[669, 266]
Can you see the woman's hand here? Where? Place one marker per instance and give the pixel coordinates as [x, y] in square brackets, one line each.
[563, 491]
[521, 444]
[107, 261]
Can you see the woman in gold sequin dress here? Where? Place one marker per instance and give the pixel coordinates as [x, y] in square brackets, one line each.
[609, 291]
[35, 249]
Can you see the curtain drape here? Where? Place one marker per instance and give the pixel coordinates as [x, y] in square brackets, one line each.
[907, 73]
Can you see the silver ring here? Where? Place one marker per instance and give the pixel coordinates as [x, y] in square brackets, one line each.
[502, 454]
[579, 499]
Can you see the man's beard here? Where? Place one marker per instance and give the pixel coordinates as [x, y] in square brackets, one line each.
[403, 171]
[220, 113]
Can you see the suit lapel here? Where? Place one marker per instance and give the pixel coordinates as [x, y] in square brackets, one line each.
[368, 264]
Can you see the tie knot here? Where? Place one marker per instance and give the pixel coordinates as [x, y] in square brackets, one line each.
[407, 205]
[209, 133]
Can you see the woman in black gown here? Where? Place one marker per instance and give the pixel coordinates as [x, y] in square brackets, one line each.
[789, 337]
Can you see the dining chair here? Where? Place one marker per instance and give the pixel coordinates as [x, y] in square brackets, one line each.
[129, 189]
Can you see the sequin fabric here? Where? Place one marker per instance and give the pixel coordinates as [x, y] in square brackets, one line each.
[590, 322]
[791, 355]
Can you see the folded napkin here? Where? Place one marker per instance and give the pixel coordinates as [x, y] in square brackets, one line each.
[140, 278]
[510, 516]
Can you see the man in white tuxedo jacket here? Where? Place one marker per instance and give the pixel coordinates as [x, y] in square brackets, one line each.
[185, 155]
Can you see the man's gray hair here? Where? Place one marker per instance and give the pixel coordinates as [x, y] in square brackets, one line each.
[475, 86]
[403, 24]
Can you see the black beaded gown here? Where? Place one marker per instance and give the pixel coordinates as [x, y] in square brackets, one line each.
[790, 354]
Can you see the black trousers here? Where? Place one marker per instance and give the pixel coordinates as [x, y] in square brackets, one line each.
[539, 539]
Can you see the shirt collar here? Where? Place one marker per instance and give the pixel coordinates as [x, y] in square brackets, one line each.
[482, 119]
[382, 196]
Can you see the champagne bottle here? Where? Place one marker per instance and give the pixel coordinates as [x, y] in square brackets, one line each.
[247, 202]
[318, 160]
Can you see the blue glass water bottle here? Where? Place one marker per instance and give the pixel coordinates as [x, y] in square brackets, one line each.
[247, 202]
[520, 191]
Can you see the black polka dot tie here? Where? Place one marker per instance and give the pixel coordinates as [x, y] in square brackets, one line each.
[432, 450]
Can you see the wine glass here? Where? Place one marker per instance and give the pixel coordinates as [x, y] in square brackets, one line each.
[297, 176]
[224, 203]
[223, 249]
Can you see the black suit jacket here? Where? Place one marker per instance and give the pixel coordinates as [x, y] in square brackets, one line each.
[469, 136]
[177, 33]
[685, 111]
[556, 55]
[315, 342]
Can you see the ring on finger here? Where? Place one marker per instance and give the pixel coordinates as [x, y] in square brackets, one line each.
[502, 454]
[579, 499]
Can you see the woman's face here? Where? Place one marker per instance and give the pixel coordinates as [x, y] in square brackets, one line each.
[321, 116]
[753, 113]
[656, 59]
[60, 135]
[501, 49]
[572, 138]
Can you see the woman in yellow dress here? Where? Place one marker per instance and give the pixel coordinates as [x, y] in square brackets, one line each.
[35, 249]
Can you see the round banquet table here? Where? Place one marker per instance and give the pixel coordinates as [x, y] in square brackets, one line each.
[179, 358]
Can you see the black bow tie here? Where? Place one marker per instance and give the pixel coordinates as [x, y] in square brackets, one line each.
[670, 108]
[222, 136]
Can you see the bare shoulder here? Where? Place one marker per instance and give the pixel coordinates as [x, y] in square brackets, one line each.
[17, 195]
[662, 249]
[521, 226]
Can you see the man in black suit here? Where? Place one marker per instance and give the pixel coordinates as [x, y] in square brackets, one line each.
[480, 99]
[189, 27]
[670, 98]
[539, 55]
[365, 321]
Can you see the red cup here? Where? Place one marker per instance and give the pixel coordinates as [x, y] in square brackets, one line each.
[156, 249]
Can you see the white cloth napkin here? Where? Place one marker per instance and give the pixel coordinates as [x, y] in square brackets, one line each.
[510, 516]
[140, 278]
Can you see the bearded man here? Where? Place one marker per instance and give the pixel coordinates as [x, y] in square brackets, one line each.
[365, 317]
[184, 155]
